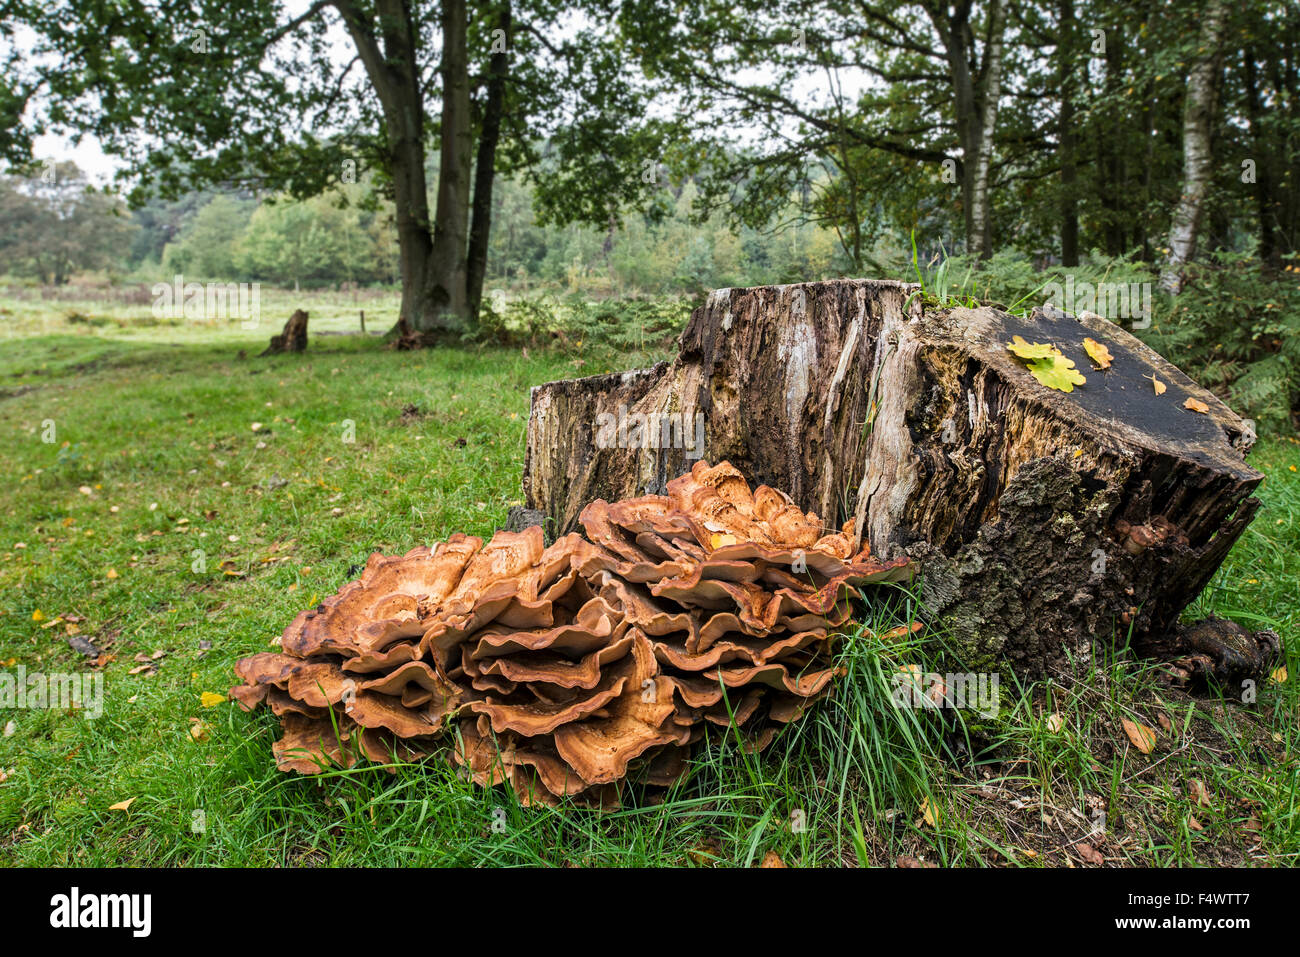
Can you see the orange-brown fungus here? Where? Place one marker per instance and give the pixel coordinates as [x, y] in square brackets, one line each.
[564, 671]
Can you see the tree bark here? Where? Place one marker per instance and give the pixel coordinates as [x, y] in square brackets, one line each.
[1265, 203]
[975, 103]
[485, 166]
[1042, 520]
[449, 291]
[1198, 119]
[393, 73]
[293, 338]
[991, 92]
[1066, 135]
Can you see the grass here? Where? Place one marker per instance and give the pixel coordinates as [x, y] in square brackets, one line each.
[191, 502]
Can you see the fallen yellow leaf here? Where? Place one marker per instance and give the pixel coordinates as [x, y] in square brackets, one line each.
[37, 616]
[210, 699]
[1143, 738]
[1196, 405]
[1160, 386]
[928, 813]
[1279, 675]
[1098, 353]
[111, 573]
[122, 805]
[1038, 350]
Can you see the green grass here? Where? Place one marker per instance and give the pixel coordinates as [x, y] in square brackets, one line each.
[161, 520]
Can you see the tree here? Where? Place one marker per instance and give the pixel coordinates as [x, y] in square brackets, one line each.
[322, 239]
[246, 93]
[207, 247]
[929, 88]
[1198, 123]
[54, 223]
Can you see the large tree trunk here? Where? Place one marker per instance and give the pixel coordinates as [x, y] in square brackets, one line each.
[485, 164]
[1198, 120]
[990, 94]
[975, 104]
[1265, 203]
[393, 72]
[449, 290]
[1042, 520]
[1066, 134]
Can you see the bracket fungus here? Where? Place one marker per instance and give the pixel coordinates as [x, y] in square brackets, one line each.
[564, 670]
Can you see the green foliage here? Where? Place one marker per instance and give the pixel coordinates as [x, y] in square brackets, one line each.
[1236, 329]
[54, 224]
[206, 250]
[601, 330]
[319, 240]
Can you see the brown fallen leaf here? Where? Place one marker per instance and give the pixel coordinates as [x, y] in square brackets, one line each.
[902, 631]
[1196, 405]
[1143, 738]
[1090, 854]
[904, 861]
[771, 859]
[1055, 723]
[706, 853]
[1159, 386]
[1194, 824]
[1197, 791]
[1279, 675]
[1165, 723]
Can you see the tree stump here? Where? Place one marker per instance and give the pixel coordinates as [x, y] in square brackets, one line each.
[1042, 520]
[293, 338]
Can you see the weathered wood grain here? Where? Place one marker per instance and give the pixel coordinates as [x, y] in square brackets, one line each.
[1044, 521]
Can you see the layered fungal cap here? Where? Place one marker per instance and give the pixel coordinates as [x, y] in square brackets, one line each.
[563, 671]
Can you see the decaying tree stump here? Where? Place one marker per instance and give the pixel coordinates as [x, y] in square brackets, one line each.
[293, 338]
[1041, 520]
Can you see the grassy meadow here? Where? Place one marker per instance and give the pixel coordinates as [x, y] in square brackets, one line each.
[171, 502]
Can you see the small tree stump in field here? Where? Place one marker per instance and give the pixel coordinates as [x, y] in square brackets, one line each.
[293, 338]
[1042, 521]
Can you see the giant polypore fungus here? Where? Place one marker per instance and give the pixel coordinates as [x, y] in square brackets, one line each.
[562, 670]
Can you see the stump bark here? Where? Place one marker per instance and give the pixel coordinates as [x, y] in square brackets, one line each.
[293, 338]
[1043, 521]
